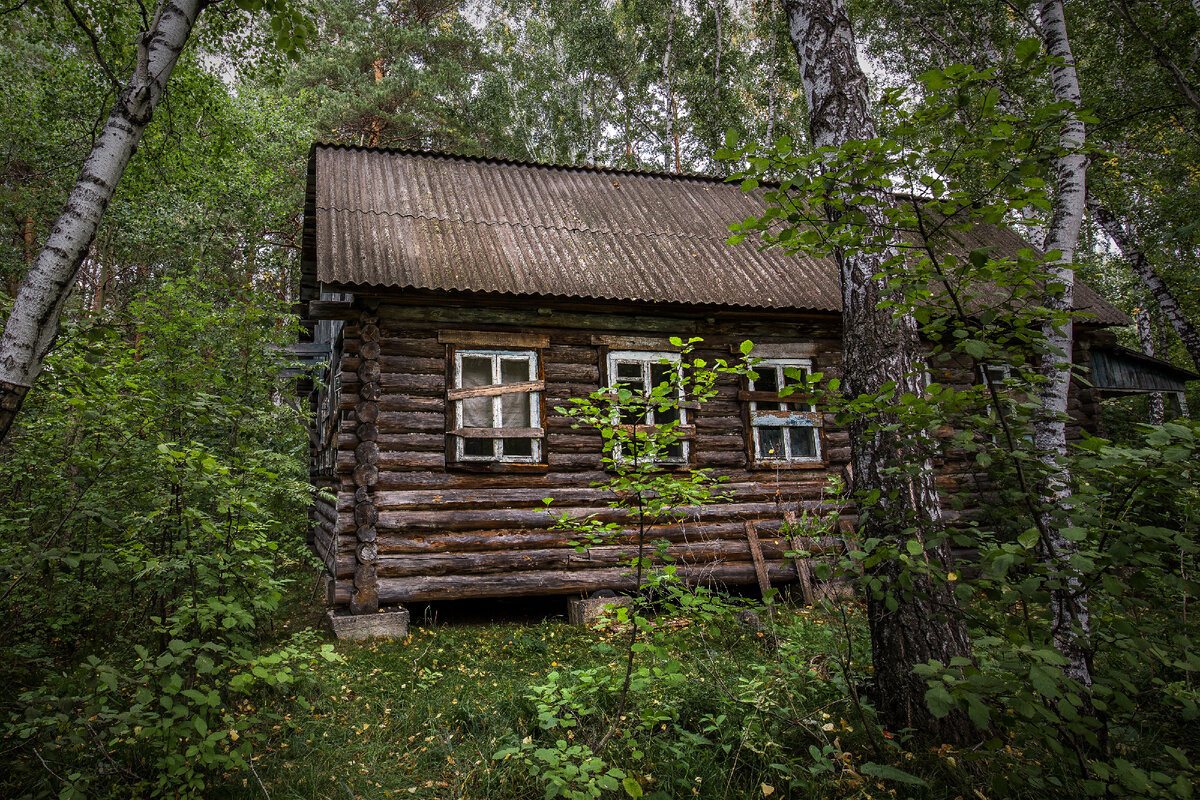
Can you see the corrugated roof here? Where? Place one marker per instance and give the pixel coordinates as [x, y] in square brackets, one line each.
[415, 219]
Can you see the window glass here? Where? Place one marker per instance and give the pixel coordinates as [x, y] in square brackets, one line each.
[783, 431]
[640, 372]
[516, 409]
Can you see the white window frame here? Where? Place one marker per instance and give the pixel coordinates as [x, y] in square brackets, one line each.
[535, 407]
[648, 358]
[770, 418]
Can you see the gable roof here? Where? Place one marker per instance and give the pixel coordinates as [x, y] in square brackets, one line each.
[424, 220]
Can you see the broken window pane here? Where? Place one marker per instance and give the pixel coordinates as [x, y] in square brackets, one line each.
[782, 438]
[770, 443]
[479, 447]
[801, 388]
[641, 373]
[629, 375]
[517, 447]
[803, 442]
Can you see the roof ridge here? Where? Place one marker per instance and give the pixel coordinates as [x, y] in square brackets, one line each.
[516, 162]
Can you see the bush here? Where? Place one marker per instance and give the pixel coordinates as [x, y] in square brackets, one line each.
[157, 495]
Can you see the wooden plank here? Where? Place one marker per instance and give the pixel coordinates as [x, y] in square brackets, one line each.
[403, 543]
[555, 582]
[787, 419]
[635, 342]
[331, 309]
[496, 389]
[499, 433]
[803, 565]
[693, 553]
[489, 496]
[760, 564]
[774, 397]
[778, 350]
[680, 431]
[532, 341]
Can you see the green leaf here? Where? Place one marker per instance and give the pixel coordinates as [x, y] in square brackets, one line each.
[632, 787]
[890, 773]
[939, 700]
[1026, 49]
[1028, 539]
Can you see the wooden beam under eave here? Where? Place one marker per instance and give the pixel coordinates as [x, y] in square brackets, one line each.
[332, 309]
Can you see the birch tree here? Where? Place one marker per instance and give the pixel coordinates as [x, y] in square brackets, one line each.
[33, 324]
[1163, 295]
[882, 349]
[1068, 603]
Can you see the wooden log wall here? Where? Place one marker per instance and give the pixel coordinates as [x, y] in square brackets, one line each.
[409, 527]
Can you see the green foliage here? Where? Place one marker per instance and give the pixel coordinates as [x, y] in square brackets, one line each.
[965, 161]
[153, 505]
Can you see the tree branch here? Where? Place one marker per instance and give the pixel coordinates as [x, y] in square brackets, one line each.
[83, 26]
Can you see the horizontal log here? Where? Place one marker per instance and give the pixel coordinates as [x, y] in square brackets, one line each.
[572, 373]
[420, 441]
[411, 460]
[705, 422]
[552, 582]
[398, 543]
[568, 354]
[324, 512]
[405, 402]
[532, 341]
[392, 461]
[390, 344]
[799, 495]
[404, 421]
[438, 480]
[483, 519]
[568, 558]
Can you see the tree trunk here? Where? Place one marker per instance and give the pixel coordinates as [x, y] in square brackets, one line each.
[33, 324]
[717, 67]
[1068, 603]
[672, 143]
[1179, 78]
[1146, 340]
[1149, 277]
[879, 347]
[773, 77]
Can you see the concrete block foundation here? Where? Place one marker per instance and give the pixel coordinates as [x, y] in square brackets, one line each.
[390, 623]
[588, 611]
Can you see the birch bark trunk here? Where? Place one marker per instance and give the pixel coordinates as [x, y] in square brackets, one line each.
[33, 324]
[772, 79]
[672, 143]
[1149, 277]
[1069, 602]
[880, 347]
[1146, 340]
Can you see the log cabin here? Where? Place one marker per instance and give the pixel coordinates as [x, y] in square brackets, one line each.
[456, 301]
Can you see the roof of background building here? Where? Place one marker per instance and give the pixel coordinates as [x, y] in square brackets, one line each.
[423, 220]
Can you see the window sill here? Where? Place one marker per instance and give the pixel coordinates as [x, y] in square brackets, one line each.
[497, 467]
[772, 466]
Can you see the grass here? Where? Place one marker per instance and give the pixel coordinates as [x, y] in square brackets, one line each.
[422, 717]
[725, 710]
